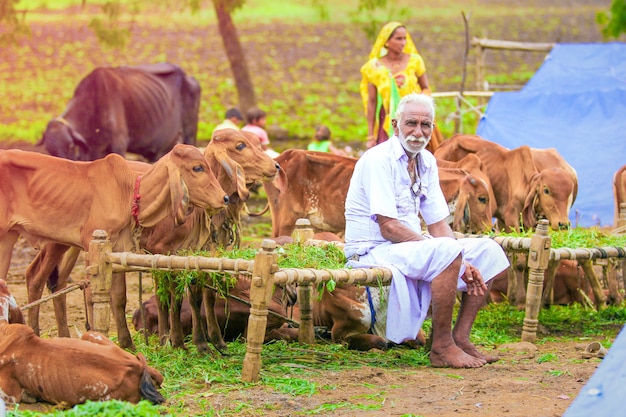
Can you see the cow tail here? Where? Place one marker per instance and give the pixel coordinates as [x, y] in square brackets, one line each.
[262, 212]
[147, 388]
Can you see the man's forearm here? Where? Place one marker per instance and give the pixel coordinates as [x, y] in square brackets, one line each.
[395, 231]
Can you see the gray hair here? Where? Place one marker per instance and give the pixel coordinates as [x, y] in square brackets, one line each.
[415, 98]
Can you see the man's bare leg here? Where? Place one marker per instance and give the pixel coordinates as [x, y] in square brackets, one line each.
[470, 304]
[444, 351]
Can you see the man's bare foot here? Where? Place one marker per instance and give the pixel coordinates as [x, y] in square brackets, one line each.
[454, 357]
[470, 349]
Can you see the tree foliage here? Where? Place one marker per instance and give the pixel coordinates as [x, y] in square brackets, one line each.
[614, 20]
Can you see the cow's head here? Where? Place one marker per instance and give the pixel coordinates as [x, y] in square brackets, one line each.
[550, 196]
[237, 157]
[474, 206]
[9, 311]
[61, 139]
[184, 179]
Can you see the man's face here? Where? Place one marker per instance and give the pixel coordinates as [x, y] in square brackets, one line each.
[414, 128]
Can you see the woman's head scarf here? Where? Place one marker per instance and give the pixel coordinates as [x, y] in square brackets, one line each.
[379, 50]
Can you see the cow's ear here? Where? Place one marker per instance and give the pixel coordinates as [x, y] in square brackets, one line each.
[280, 180]
[529, 214]
[242, 190]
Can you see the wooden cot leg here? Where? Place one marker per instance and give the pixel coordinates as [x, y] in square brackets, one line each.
[538, 258]
[594, 282]
[306, 333]
[100, 275]
[261, 290]
[615, 298]
[548, 285]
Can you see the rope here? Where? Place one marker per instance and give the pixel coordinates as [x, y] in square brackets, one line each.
[82, 285]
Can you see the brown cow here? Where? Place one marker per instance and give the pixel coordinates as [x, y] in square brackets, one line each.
[619, 193]
[223, 156]
[102, 194]
[68, 372]
[468, 193]
[511, 173]
[317, 185]
[556, 187]
[49, 199]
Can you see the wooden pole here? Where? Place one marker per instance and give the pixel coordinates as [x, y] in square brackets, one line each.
[303, 231]
[548, 293]
[615, 298]
[99, 272]
[538, 257]
[511, 289]
[594, 282]
[261, 290]
[306, 332]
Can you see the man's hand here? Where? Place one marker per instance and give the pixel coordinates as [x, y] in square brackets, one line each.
[474, 280]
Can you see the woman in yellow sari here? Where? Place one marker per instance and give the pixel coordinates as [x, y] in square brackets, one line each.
[394, 69]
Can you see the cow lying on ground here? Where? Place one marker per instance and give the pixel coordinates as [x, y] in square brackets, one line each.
[569, 284]
[516, 182]
[317, 184]
[58, 202]
[145, 110]
[69, 372]
[231, 314]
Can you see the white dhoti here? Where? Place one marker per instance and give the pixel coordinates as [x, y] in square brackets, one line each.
[415, 264]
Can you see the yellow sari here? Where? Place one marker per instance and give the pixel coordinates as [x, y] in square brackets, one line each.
[390, 87]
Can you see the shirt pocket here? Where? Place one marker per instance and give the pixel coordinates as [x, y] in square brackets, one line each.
[405, 203]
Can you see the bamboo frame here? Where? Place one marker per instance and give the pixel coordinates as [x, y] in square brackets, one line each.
[102, 262]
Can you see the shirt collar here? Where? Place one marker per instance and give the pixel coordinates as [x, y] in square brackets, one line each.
[400, 154]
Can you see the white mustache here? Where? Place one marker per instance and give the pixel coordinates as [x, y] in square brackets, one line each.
[412, 138]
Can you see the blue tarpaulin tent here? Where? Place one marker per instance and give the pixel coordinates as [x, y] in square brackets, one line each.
[603, 394]
[576, 103]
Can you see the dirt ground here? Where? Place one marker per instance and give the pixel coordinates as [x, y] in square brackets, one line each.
[518, 385]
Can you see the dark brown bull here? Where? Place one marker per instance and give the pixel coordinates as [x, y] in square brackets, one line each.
[145, 109]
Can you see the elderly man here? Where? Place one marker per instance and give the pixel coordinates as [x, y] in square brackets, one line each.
[392, 184]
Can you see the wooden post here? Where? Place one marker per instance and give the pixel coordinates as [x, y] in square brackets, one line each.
[261, 289]
[511, 289]
[548, 293]
[538, 258]
[480, 69]
[99, 273]
[594, 282]
[306, 332]
[303, 231]
[615, 298]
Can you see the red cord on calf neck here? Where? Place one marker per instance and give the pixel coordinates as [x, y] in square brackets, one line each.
[134, 210]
